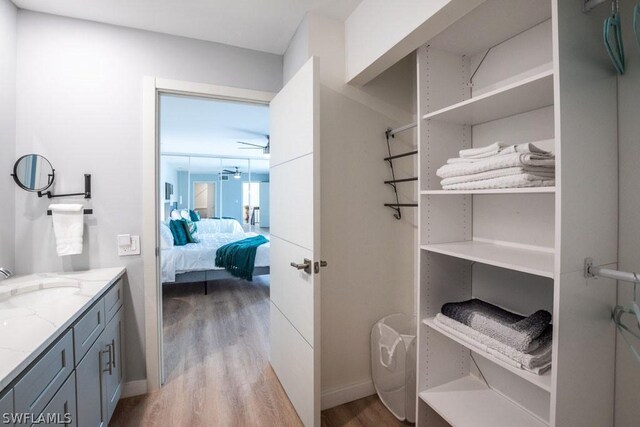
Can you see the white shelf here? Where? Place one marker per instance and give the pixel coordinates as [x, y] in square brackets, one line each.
[528, 94]
[542, 381]
[469, 402]
[493, 191]
[531, 261]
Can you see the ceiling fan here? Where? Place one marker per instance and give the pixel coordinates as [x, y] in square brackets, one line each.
[266, 149]
[236, 174]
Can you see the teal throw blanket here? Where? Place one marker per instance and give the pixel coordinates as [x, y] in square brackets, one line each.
[238, 258]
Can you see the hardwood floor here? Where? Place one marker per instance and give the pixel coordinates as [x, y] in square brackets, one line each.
[366, 412]
[217, 369]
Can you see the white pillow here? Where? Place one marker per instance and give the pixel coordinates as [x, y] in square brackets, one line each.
[166, 237]
[175, 214]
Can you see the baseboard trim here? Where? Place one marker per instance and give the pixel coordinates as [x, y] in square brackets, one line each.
[134, 388]
[346, 394]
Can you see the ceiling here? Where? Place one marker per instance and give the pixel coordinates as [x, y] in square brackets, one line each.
[265, 25]
[211, 127]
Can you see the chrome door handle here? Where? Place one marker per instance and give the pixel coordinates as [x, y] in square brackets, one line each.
[317, 265]
[306, 266]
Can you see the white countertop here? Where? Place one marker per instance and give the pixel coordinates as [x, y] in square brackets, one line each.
[36, 309]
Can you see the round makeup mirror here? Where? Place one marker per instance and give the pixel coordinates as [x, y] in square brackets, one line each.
[33, 172]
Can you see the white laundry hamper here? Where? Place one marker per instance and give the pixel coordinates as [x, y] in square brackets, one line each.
[393, 364]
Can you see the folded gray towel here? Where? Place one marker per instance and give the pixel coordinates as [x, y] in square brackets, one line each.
[509, 328]
[537, 361]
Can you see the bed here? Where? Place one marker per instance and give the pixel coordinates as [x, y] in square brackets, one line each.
[195, 262]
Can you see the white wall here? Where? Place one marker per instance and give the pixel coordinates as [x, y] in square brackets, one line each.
[370, 254]
[380, 32]
[297, 52]
[8, 17]
[80, 105]
[627, 367]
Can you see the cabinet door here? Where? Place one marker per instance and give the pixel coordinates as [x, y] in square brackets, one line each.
[6, 408]
[41, 382]
[62, 407]
[90, 386]
[113, 378]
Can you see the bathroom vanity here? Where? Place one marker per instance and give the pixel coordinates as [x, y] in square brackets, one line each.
[61, 353]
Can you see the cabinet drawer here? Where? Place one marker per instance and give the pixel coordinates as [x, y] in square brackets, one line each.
[44, 379]
[113, 300]
[88, 329]
[6, 407]
[61, 410]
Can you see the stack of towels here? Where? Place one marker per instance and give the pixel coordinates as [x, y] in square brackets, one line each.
[499, 165]
[523, 342]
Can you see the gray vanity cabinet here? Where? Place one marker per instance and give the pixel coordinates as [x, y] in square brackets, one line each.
[78, 380]
[100, 374]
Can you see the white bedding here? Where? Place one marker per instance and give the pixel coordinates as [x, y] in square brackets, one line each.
[202, 256]
[211, 226]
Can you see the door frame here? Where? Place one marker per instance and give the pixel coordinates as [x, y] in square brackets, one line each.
[152, 87]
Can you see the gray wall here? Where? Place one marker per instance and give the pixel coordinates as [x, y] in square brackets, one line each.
[627, 367]
[8, 17]
[80, 105]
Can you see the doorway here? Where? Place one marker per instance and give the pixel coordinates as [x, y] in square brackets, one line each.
[153, 90]
[204, 199]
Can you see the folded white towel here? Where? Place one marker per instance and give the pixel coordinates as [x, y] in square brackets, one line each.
[512, 181]
[536, 362]
[68, 223]
[488, 150]
[496, 162]
[500, 148]
[532, 171]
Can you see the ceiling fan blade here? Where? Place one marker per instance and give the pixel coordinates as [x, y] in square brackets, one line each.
[227, 171]
[250, 148]
[250, 132]
[248, 143]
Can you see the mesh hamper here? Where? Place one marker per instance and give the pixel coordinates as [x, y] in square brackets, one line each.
[393, 364]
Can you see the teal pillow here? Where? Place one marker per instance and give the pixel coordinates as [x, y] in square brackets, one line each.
[195, 216]
[191, 229]
[179, 232]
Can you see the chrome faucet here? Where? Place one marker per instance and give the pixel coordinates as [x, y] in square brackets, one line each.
[4, 273]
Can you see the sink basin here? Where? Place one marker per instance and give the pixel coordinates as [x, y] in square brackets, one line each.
[58, 300]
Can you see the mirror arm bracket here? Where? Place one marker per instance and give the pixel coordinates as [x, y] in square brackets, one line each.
[86, 194]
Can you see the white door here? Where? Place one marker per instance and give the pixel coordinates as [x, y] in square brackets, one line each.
[295, 237]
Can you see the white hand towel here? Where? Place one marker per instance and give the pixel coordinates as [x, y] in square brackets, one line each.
[68, 223]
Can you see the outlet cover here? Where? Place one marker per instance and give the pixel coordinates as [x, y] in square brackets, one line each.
[132, 249]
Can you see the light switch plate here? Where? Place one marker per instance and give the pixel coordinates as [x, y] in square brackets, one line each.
[133, 249]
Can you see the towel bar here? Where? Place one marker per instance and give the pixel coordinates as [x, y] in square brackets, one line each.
[86, 211]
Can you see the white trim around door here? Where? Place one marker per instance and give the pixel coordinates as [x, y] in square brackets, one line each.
[152, 88]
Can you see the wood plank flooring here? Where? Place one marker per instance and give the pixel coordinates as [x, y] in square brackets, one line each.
[217, 368]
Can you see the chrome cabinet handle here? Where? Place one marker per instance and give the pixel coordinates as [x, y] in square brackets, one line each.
[113, 348]
[306, 266]
[109, 367]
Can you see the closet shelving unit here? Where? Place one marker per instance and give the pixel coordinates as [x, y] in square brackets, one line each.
[519, 248]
